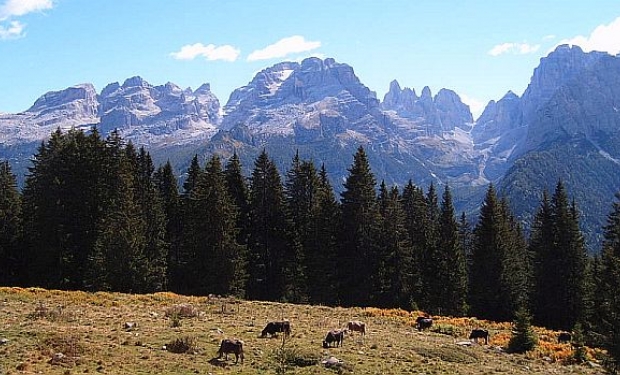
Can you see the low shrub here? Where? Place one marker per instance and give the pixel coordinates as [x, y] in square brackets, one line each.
[182, 345]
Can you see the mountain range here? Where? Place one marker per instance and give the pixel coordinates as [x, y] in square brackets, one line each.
[566, 125]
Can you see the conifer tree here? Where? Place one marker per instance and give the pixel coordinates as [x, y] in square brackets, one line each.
[516, 279]
[168, 192]
[486, 296]
[560, 262]
[11, 266]
[466, 238]
[268, 237]
[431, 257]
[523, 337]
[216, 262]
[238, 191]
[359, 238]
[414, 206]
[396, 253]
[321, 248]
[152, 210]
[62, 208]
[188, 220]
[609, 309]
[118, 261]
[193, 174]
[451, 260]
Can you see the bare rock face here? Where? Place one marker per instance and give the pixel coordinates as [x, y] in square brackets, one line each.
[147, 113]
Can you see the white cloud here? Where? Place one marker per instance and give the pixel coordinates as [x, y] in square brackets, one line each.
[210, 52]
[604, 38]
[514, 48]
[14, 30]
[16, 8]
[284, 47]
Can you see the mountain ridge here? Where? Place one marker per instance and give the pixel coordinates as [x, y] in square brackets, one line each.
[321, 109]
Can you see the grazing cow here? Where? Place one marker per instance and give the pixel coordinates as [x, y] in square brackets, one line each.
[336, 335]
[479, 334]
[272, 328]
[423, 322]
[564, 337]
[356, 325]
[231, 346]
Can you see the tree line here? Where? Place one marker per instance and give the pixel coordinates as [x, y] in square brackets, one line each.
[96, 215]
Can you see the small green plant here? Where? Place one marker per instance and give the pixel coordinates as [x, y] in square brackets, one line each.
[580, 354]
[175, 321]
[523, 336]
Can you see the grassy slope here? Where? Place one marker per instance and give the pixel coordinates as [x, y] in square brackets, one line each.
[89, 330]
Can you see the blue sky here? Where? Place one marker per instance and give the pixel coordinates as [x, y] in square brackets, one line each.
[480, 49]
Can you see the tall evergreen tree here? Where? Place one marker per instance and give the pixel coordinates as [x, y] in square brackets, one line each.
[431, 257]
[516, 265]
[609, 280]
[168, 192]
[193, 175]
[414, 206]
[152, 210]
[10, 227]
[492, 296]
[238, 191]
[118, 260]
[62, 207]
[321, 249]
[216, 261]
[268, 237]
[466, 238]
[560, 262]
[359, 239]
[188, 242]
[396, 253]
[452, 263]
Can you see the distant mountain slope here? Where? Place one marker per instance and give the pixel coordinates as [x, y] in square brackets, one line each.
[565, 125]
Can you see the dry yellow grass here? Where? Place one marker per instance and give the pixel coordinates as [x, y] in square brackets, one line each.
[58, 332]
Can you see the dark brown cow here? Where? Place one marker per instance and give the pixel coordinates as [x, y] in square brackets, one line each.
[479, 334]
[356, 325]
[423, 322]
[231, 346]
[272, 328]
[564, 337]
[336, 335]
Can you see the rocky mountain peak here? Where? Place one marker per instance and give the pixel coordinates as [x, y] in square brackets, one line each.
[204, 88]
[399, 100]
[556, 70]
[81, 97]
[426, 94]
[135, 81]
[453, 113]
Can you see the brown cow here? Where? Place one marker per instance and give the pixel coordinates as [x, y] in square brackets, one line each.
[423, 322]
[479, 334]
[272, 328]
[336, 335]
[564, 337]
[231, 346]
[356, 325]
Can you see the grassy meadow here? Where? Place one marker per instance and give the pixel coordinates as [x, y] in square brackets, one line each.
[59, 332]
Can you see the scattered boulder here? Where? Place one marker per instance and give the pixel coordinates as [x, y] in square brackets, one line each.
[332, 362]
